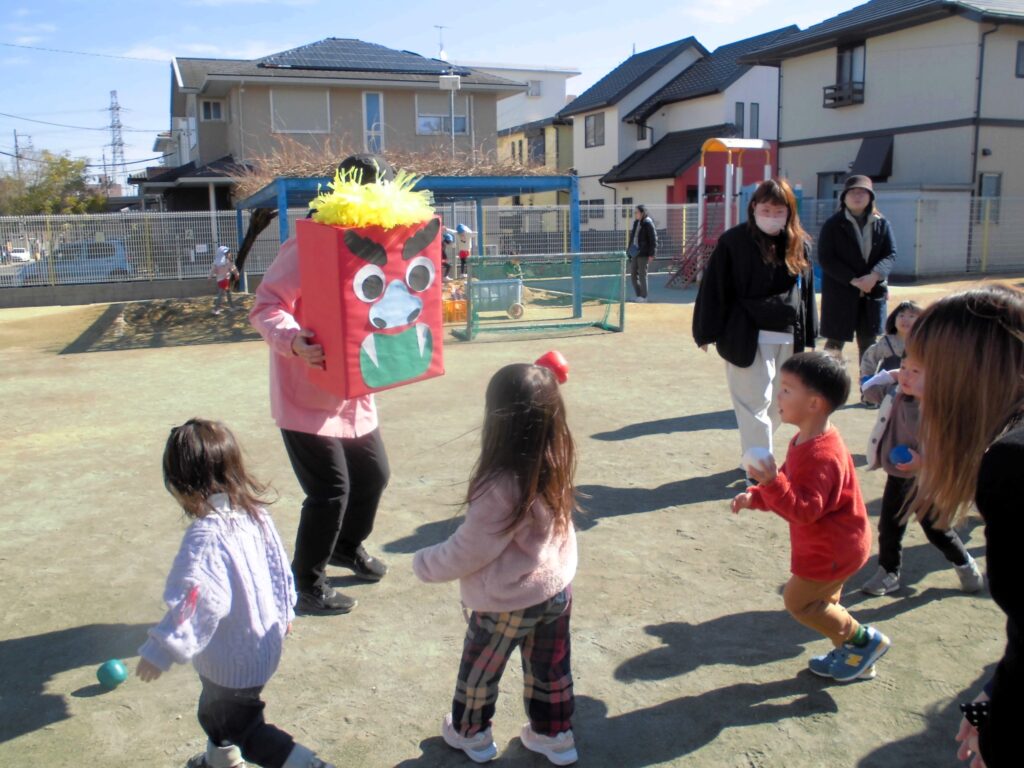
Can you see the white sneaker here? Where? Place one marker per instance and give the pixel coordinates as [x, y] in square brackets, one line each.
[560, 749]
[971, 577]
[882, 583]
[478, 748]
[640, 300]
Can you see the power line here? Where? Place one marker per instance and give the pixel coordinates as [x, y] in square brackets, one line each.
[79, 127]
[87, 165]
[83, 53]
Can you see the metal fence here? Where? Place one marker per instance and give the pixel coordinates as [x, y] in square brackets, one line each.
[938, 234]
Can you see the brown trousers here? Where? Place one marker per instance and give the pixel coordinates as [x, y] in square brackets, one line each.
[815, 604]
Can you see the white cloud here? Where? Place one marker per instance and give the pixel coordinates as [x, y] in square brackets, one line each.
[27, 40]
[252, 49]
[21, 13]
[41, 28]
[13, 61]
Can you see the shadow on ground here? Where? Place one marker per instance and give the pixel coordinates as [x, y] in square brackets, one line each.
[606, 501]
[690, 423]
[29, 663]
[165, 323]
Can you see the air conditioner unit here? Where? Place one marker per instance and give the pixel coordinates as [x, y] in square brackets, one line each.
[450, 82]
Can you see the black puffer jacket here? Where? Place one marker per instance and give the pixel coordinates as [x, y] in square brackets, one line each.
[741, 294]
[645, 235]
[841, 260]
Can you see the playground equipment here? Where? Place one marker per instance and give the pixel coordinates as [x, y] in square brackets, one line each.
[698, 248]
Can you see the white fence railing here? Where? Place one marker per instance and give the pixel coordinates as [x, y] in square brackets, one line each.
[938, 234]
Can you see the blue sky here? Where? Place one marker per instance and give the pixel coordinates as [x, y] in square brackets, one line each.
[74, 89]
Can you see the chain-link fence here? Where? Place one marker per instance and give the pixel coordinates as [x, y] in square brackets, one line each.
[937, 234]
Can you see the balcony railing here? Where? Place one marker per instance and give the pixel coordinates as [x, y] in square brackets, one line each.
[843, 95]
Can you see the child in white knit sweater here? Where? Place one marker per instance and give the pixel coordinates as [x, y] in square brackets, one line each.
[230, 597]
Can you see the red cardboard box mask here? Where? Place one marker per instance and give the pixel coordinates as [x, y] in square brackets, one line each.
[373, 298]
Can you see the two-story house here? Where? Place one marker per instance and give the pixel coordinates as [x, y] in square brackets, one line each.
[361, 95]
[638, 131]
[917, 94]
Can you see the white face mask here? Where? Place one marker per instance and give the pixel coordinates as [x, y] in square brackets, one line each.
[771, 225]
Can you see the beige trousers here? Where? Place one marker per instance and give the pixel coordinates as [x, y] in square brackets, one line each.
[815, 604]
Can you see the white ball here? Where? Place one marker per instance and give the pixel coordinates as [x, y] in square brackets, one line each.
[756, 458]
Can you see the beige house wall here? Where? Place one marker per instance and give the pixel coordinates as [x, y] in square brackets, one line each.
[1007, 158]
[249, 134]
[1003, 93]
[919, 75]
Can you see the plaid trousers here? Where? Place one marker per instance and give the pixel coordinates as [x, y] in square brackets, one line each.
[542, 631]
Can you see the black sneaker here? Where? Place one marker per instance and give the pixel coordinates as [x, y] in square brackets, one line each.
[323, 601]
[361, 564]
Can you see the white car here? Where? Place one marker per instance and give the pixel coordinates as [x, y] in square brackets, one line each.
[20, 254]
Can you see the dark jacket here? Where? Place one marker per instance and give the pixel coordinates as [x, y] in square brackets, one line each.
[999, 499]
[740, 295]
[645, 235]
[841, 260]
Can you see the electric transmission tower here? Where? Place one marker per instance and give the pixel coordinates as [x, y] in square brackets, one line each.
[117, 170]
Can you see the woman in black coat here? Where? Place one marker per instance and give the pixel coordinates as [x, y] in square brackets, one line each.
[756, 305]
[856, 251]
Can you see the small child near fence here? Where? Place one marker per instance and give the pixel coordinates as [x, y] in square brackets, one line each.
[224, 272]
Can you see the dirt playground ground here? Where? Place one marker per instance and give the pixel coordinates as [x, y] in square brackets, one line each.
[683, 654]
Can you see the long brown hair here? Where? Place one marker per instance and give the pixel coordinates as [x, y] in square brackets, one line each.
[971, 345]
[202, 458]
[778, 192]
[525, 436]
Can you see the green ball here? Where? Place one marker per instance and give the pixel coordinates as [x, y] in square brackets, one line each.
[111, 674]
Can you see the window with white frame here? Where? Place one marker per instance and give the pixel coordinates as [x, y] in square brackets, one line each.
[990, 189]
[627, 207]
[1020, 58]
[533, 89]
[433, 114]
[212, 111]
[738, 122]
[373, 122]
[593, 126]
[755, 120]
[300, 110]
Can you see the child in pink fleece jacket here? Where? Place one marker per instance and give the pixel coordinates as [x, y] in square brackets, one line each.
[515, 558]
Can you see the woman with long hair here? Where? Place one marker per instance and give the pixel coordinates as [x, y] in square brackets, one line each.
[756, 305]
[969, 348]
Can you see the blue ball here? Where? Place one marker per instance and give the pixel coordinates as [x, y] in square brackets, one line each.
[900, 454]
[111, 674]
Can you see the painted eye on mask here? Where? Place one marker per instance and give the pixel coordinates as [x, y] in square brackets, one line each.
[368, 283]
[420, 274]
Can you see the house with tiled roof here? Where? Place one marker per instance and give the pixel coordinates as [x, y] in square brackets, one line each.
[920, 95]
[370, 97]
[638, 131]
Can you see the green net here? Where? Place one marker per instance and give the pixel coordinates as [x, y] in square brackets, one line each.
[537, 294]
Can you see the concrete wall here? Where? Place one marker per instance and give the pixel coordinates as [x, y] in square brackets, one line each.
[102, 293]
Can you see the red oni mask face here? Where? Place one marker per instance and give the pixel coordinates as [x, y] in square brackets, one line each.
[393, 284]
[373, 297]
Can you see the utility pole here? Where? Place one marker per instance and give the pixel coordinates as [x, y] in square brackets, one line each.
[17, 156]
[116, 140]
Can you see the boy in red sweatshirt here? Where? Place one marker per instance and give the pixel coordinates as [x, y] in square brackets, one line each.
[817, 493]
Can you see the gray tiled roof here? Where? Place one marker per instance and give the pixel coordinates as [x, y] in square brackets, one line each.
[880, 17]
[669, 157]
[625, 77]
[710, 74]
[336, 58]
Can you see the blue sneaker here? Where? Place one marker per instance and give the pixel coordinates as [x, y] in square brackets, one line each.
[852, 661]
[822, 666]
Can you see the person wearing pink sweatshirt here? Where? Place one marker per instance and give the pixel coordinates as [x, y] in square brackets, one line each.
[515, 558]
[335, 446]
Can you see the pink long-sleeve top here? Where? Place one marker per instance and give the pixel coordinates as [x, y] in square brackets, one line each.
[817, 493]
[296, 403]
[501, 569]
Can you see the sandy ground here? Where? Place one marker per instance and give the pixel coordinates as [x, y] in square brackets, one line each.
[683, 654]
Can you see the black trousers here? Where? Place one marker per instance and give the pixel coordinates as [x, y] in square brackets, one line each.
[891, 530]
[638, 275]
[865, 330]
[235, 716]
[343, 479]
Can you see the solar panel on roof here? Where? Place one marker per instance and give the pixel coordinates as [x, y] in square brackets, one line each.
[355, 56]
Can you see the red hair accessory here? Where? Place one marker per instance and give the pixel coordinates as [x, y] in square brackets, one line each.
[556, 362]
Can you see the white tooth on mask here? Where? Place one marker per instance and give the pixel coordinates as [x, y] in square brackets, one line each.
[421, 337]
[369, 346]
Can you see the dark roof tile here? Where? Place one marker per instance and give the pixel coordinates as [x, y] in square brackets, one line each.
[669, 157]
[712, 74]
[625, 77]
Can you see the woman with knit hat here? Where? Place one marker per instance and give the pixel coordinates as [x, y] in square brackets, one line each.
[857, 252]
